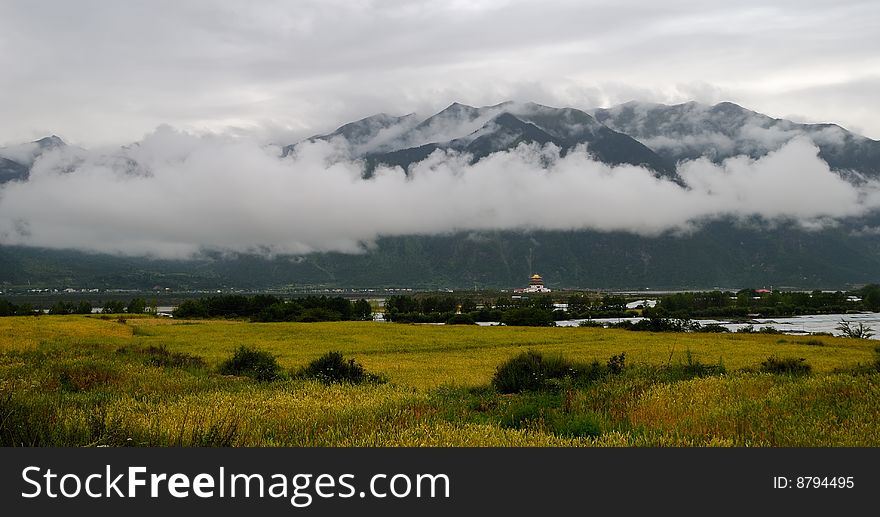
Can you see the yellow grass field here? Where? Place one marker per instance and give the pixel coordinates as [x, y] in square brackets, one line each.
[78, 374]
[426, 356]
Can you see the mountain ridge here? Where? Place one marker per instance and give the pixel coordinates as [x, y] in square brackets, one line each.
[656, 136]
[692, 130]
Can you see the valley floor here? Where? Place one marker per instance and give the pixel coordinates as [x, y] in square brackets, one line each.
[91, 380]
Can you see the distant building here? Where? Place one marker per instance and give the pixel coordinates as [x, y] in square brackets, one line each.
[536, 285]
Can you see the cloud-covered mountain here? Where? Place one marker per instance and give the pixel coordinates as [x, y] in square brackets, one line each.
[637, 194]
[403, 141]
[12, 170]
[693, 130]
[16, 161]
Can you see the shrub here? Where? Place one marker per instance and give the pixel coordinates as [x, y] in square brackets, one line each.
[162, 357]
[333, 367]
[617, 363]
[250, 362]
[531, 371]
[543, 411]
[523, 413]
[528, 317]
[851, 330]
[317, 314]
[693, 367]
[786, 365]
[575, 425]
[711, 328]
[657, 324]
[461, 319]
[559, 315]
[85, 376]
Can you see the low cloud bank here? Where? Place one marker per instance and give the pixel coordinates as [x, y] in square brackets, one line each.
[175, 195]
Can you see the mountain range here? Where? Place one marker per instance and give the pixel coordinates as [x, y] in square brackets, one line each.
[656, 137]
[479, 132]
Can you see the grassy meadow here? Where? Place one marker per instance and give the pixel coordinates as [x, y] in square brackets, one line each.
[95, 381]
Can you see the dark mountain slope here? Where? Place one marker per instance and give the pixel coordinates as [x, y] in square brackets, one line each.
[691, 130]
[723, 253]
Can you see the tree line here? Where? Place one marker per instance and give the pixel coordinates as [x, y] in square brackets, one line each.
[133, 306]
[265, 308]
[528, 311]
[750, 302]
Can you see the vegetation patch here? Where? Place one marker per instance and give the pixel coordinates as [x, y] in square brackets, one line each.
[250, 362]
[268, 308]
[545, 413]
[76, 381]
[85, 376]
[334, 368]
[532, 371]
[461, 319]
[786, 365]
[162, 357]
[854, 330]
[528, 317]
[692, 368]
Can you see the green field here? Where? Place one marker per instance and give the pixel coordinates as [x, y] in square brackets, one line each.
[86, 381]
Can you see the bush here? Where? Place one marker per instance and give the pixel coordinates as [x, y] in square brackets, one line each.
[711, 328]
[560, 315]
[547, 412]
[575, 425]
[332, 368]
[693, 368]
[318, 314]
[529, 371]
[526, 412]
[656, 324]
[250, 362]
[528, 317]
[851, 330]
[461, 319]
[84, 376]
[786, 365]
[162, 357]
[617, 363]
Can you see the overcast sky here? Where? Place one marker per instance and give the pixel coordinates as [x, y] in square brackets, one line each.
[108, 72]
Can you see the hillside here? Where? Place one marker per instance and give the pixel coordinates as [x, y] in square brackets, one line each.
[726, 250]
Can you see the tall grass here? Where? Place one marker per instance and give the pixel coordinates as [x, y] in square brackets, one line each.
[79, 381]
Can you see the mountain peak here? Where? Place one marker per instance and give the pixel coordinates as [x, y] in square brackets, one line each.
[50, 142]
[731, 108]
[458, 106]
[456, 109]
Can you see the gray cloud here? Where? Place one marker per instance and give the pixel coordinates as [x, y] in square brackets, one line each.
[101, 71]
[175, 194]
